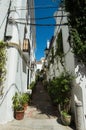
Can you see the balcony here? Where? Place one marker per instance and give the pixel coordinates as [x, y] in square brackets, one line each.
[26, 48]
[26, 45]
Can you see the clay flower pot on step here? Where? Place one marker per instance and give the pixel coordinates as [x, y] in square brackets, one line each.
[18, 106]
[19, 114]
[25, 106]
[25, 100]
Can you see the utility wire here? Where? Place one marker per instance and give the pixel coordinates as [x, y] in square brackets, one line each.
[41, 18]
[37, 7]
[42, 24]
[33, 8]
[60, 20]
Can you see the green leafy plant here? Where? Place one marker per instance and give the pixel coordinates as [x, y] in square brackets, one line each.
[18, 106]
[59, 48]
[2, 65]
[77, 21]
[79, 48]
[25, 98]
[59, 44]
[32, 85]
[52, 55]
[65, 118]
[45, 84]
[60, 90]
[64, 113]
[17, 102]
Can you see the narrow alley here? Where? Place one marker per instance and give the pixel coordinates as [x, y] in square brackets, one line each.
[40, 115]
[43, 40]
[41, 101]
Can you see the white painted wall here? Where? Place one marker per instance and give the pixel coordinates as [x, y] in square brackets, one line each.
[80, 86]
[4, 4]
[39, 66]
[56, 68]
[69, 57]
[72, 65]
[16, 78]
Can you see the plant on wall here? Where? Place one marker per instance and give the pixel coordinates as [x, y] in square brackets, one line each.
[2, 65]
[77, 21]
[79, 49]
[60, 90]
[52, 55]
[59, 44]
[48, 63]
[59, 48]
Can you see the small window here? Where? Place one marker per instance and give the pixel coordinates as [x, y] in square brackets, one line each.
[24, 66]
[59, 42]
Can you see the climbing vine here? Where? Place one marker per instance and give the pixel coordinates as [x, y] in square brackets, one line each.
[2, 65]
[77, 21]
[52, 55]
[59, 44]
[59, 48]
[79, 48]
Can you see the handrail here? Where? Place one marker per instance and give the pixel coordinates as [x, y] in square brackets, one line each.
[8, 91]
[15, 45]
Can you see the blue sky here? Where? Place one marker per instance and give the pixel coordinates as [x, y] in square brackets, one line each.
[44, 33]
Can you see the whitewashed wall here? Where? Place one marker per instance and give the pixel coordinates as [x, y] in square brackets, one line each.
[80, 87]
[71, 64]
[56, 68]
[4, 4]
[77, 68]
[16, 78]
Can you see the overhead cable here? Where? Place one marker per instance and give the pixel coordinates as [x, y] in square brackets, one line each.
[37, 7]
[32, 24]
[41, 18]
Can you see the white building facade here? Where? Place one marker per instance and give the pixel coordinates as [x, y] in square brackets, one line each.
[55, 65]
[39, 64]
[16, 30]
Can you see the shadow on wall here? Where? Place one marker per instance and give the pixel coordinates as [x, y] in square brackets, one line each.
[80, 71]
[4, 96]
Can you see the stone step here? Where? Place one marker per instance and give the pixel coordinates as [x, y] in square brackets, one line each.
[34, 124]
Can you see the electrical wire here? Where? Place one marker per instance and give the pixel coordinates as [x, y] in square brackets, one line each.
[60, 20]
[37, 7]
[32, 24]
[42, 18]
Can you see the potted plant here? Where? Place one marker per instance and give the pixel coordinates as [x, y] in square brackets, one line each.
[60, 92]
[18, 106]
[65, 118]
[25, 100]
[65, 97]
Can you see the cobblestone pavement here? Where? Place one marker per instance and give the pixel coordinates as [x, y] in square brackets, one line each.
[40, 115]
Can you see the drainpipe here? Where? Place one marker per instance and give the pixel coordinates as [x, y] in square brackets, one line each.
[7, 21]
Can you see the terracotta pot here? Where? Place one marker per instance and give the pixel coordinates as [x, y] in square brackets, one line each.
[19, 115]
[25, 106]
